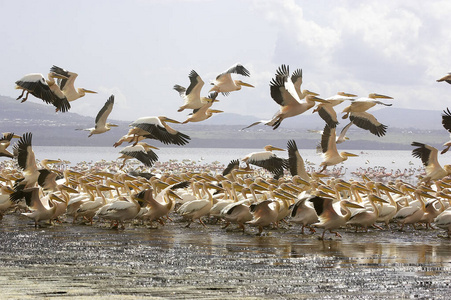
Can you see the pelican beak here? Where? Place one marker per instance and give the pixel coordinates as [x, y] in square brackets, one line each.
[7, 189]
[215, 111]
[245, 84]
[53, 161]
[16, 136]
[171, 192]
[351, 204]
[112, 125]
[153, 147]
[374, 95]
[276, 149]
[88, 91]
[350, 154]
[69, 189]
[377, 199]
[317, 99]
[166, 119]
[56, 198]
[310, 93]
[347, 94]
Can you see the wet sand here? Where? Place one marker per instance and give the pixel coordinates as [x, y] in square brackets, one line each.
[95, 262]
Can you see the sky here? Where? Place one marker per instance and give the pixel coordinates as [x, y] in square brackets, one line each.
[139, 49]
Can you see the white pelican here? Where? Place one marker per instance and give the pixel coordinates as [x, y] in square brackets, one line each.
[101, 124]
[5, 201]
[304, 214]
[446, 122]
[326, 110]
[446, 78]
[191, 95]
[293, 85]
[264, 213]
[204, 112]
[225, 84]
[357, 113]
[27, 162]
[428, 156]
[5, 141]
[41, 208]
[365, 218]
[342, 137]
[329, 149]
[295, 161]
[443, 221]
[67, 85]
[267, 160]
[329, 218]
[47, 90]
[141, 151]
[156, 128]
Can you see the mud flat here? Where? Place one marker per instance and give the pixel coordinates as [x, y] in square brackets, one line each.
[67, 261]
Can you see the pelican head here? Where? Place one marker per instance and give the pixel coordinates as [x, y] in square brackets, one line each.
[346, 94]
[239, 82]
[376, 96]
[272, 148]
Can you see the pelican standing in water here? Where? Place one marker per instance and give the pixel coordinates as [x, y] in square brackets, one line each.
[225, 84]
[101, 124]
[428, 156]
[67, 84]
[5, 141]
[267, 160]
[46, 90]
[358, 115]
[329, 149]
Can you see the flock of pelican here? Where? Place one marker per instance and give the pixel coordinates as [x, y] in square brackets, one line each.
[278, 191]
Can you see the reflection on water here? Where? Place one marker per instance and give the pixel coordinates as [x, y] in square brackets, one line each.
[210, 262]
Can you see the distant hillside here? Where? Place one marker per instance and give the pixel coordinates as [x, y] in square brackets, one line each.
[224, 130]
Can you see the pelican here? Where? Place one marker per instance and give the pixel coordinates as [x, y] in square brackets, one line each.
[365, 218]
[27, 162]
[38, 206]
[342, 137]
[329, 149]
[101, 124]
[428, 156]
[191, 95]
[304, 214]
[5, 141]
[443, 221]
[329, 218]
[295, 161]
[267, 160]
[446, 78]
[264, 213]
[5, 201]
[326, 110]
[47, 90]
[141, 151]
[224, 83]
[357, 113]
[293, 85]
[156, 128]
[446, 122]
[204, 112]
[67, 84]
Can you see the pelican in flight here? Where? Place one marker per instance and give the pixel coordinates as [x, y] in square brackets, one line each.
[67, 84]
[141, 151]
[446, 78]
[295, 161]
[225, 84]
[5, 140]
[357, 113]
[156, 128]
[428, 156]
[446, 122]
[191, 95]
[294, 84]
[329, 149]
[267, 160]
[326, 110]
[205, 111]
[101, 124]
[45, 89]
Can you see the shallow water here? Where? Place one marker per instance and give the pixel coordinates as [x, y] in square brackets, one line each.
[80, 261]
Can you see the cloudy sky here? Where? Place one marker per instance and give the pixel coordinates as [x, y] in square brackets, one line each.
[138, 49]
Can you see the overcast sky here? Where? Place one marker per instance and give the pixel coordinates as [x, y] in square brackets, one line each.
[138, 49]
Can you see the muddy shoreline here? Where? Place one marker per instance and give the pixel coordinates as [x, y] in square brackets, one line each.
[82, 261]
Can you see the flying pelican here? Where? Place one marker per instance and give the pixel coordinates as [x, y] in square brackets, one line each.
[27, 162]
[47, 90]
[428, 156]
[446, 78]
[446, 122]
[156, 128]
[204, 112]
[293, 85]
[141, 151]
[329, 149]
[329, 218]
[225, 84]
[342, 137]
[5, 140]
[357, 113]
[67, 84]
[267, 160]
[191, 95]
[326, 110]
[295, 161]
[101, 124]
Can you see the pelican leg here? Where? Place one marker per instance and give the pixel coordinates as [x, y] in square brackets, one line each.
[202, 222]
[378, 227]
[336, 233]
[226, 225]
[322, 236]
[26, 97]
[302, 229]
[312, 230]
[21, 95]
[241, 225]
[187, 225]
[260, 230]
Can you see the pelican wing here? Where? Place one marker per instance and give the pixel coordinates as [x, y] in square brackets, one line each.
[25, 155]
[37, 86]
[296, 79]
[367, 121]
[120, 205]
[268, 161]
[295, 161]
[446, 120]
[328, 114]
[196, 83]
[138, 152]
[328, 144]
[323, 206]
[237, 69]
[283, 71]
[279, 92]
[234, 164]
[103, 114]
[426, 153]
[64, 84]
[46, 177]
[342, 136]
[160, 133]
